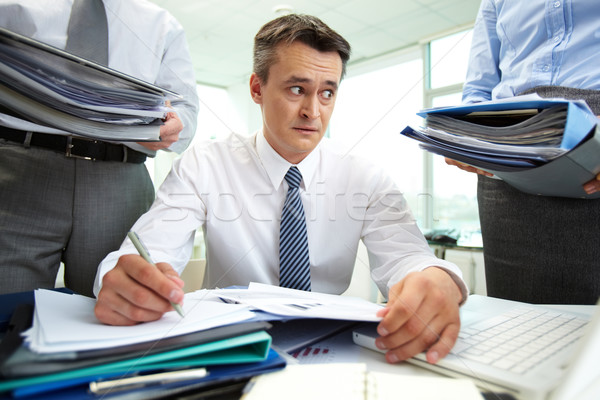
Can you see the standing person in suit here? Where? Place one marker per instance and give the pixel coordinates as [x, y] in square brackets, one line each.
[56, 206]
[537, 249]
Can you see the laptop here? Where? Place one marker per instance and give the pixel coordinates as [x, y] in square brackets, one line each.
[551, 354]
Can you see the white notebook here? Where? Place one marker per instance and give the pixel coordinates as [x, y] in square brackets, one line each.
[352, 381]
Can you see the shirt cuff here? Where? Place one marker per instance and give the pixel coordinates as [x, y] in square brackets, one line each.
[464, 290]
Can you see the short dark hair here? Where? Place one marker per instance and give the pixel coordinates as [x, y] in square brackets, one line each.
[289, 28]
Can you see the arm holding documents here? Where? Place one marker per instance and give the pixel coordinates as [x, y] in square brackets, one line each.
[535, 221]
[92, 112]
[169, 133]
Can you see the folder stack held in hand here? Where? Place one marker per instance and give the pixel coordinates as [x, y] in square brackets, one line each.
[58, 90]
[540, 146]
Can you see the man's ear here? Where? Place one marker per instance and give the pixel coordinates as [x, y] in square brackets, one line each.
[256, 88]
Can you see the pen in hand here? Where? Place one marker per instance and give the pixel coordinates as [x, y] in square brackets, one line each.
[137, 242]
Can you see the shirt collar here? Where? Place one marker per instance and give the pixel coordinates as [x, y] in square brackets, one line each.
[276, 166]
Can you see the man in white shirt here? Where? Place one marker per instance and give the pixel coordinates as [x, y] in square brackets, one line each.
[235, 190]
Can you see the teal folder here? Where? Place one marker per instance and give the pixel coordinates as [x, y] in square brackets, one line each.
[246, 348]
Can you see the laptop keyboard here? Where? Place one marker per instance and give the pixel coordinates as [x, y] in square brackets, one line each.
[519, 340]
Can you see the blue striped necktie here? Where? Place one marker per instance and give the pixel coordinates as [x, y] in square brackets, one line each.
[294, 264]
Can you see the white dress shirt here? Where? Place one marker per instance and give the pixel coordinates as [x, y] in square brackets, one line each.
[235, 189]
[144, 41]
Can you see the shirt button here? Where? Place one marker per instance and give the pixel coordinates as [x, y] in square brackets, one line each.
[556, 4]
[546, 68]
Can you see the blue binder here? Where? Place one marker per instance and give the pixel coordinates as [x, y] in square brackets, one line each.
[563, 176]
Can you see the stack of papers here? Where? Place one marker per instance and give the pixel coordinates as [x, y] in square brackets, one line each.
[56, 89]
[222, 328]
[55, 330]
[528, 127]
[283, 303]
[540, 146]
[67, 346]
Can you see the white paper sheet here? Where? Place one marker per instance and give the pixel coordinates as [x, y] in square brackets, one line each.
[69, 323]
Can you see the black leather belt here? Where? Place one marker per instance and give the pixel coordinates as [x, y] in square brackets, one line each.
[77, 147]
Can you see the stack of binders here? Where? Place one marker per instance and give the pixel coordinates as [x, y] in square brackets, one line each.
[217, 358]
[539, 146]
[58, 90]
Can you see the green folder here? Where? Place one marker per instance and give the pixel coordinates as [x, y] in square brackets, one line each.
[251, 347]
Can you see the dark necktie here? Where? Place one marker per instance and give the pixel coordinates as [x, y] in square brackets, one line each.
[294, 264]
[87, 34]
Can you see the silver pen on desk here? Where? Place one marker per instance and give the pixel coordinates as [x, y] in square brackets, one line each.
[133, 382]
[137, 242]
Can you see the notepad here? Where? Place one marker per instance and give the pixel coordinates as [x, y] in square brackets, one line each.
[354, 382]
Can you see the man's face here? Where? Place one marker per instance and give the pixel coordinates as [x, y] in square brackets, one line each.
[298, 99]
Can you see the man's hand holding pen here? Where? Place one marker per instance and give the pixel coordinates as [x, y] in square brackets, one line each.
[136, 291]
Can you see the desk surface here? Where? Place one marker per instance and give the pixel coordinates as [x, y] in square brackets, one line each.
[341, 349]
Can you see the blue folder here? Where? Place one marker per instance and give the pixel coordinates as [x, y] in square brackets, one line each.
[563, 176]
[219, 378]
[580, 120]
[248, 348]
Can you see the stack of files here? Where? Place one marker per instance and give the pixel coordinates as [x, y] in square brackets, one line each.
[274, 303]
[56, 89]
[299, 318]
[539, 146]
[67, 349]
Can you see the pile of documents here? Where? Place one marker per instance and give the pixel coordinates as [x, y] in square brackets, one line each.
[540, 146]
[222, 338]
[50, 87]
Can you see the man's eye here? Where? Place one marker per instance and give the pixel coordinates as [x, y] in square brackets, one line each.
[328, 94]
[296, 90]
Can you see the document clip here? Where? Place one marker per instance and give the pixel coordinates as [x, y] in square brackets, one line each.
[141, 381]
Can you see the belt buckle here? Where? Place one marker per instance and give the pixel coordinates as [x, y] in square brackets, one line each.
[70, 145]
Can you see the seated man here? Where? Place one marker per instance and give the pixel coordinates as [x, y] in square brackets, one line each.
[236, 189]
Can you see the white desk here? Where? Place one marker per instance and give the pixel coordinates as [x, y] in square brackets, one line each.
[341, 349]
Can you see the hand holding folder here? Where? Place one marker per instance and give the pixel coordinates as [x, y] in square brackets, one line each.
[56, 89]
[540, 146]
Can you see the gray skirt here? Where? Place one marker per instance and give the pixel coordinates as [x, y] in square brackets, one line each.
[541, 249]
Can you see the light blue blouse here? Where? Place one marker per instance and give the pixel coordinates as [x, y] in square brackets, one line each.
[520, 44]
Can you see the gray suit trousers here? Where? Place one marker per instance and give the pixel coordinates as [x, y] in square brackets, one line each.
[54, 208]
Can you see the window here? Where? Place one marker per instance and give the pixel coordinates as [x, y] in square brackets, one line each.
[453, 191]
[371, 110]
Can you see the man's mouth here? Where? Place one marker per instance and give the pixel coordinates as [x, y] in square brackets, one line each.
[306, 129]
